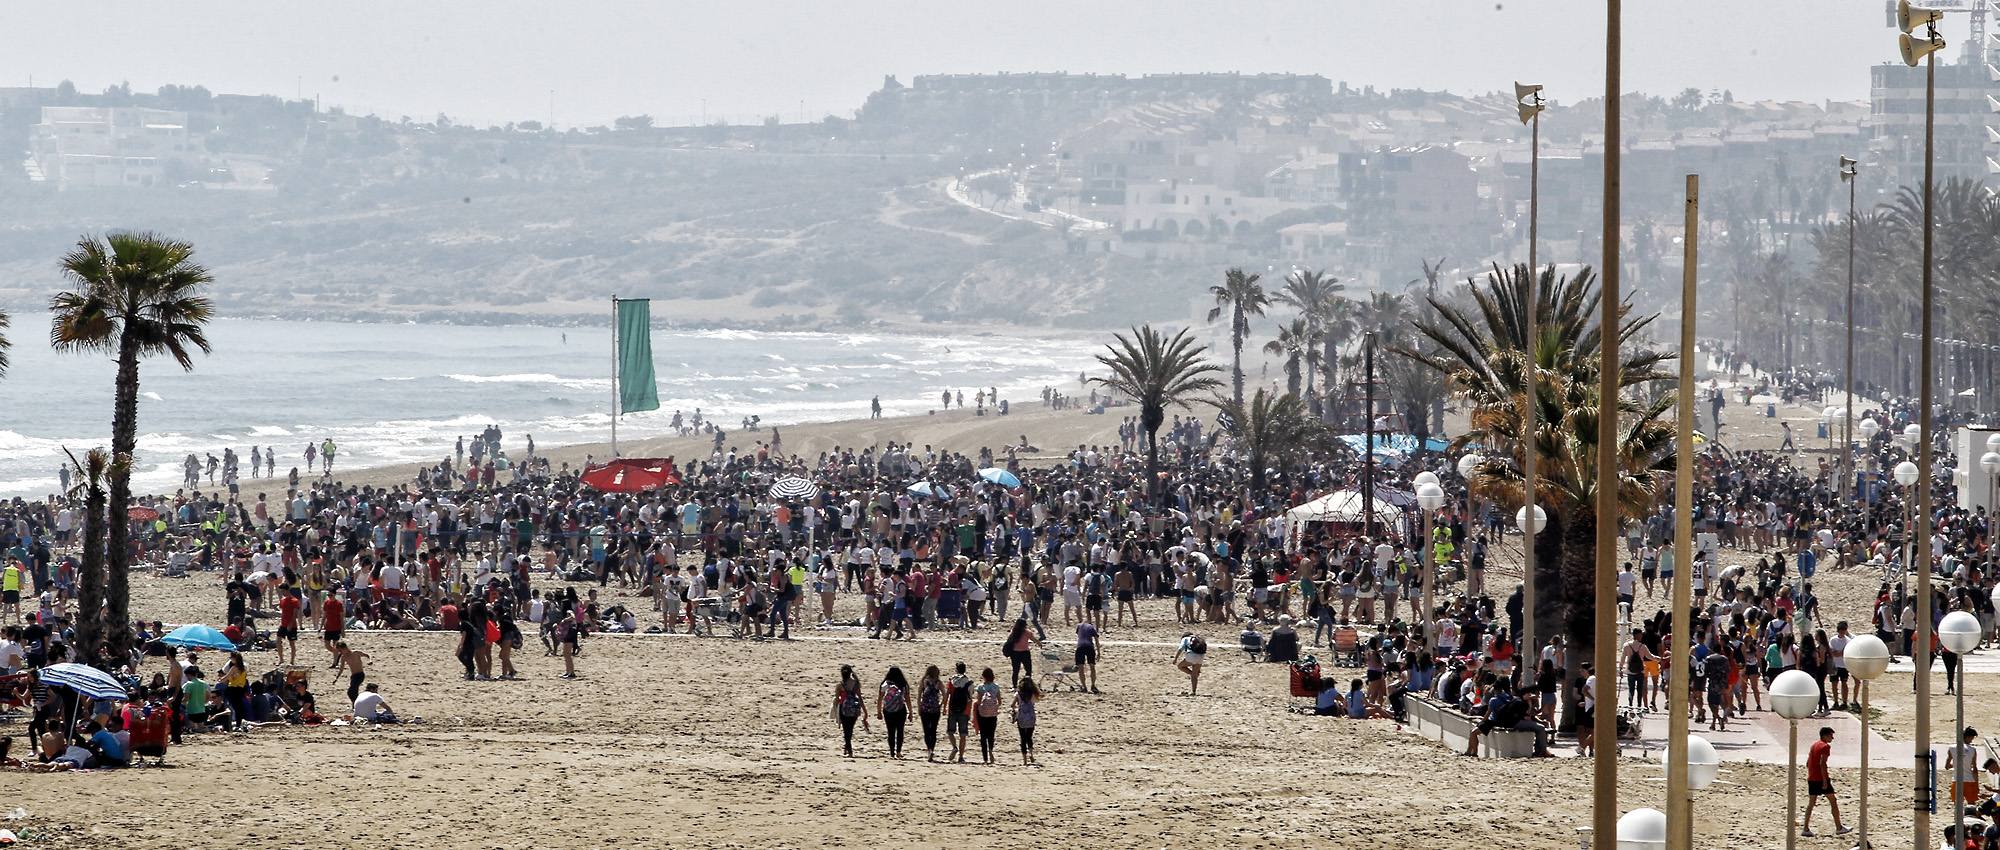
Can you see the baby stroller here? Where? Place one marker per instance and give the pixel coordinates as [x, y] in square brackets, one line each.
[150, 730]
[1305, 684]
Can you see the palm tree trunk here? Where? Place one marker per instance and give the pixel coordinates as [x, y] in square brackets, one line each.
[118, 556]
[90, 577]
[1236, 342]
[1576, 582]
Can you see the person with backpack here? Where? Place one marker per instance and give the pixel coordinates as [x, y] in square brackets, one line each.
[986, 710]
[1188, 657]
[958, 711]
[930, 707]
[847, 708]
[1025, 698]
[892, 705]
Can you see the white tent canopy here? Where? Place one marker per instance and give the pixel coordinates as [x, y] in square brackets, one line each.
[1339, 506]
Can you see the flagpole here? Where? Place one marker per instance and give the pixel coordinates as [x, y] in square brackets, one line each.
[614, 375]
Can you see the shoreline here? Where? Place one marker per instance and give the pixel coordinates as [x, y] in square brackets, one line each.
[1052, 432]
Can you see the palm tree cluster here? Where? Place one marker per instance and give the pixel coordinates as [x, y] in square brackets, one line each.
[1485, 354]
[132, 296]
[1801, 298]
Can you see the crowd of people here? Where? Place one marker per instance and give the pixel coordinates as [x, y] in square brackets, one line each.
[906, 541]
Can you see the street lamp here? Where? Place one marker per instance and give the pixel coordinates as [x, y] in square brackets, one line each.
[1702, 765]
[1642, 829]
[1867, 658]
[1430, 497]
[1906, 475]
[1529, 99]
[1794, 695]
[1826, 423]
[1959, 632]
[1989, 463]
[1466, 464]
[1848, 169]
[1924, 49]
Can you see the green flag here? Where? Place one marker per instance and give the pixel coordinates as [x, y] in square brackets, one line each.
[635, 356]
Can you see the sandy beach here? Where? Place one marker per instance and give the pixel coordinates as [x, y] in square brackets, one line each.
[680, 741]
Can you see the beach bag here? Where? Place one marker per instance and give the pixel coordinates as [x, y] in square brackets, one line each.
[492, 632]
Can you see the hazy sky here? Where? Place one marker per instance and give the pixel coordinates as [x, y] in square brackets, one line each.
[498, 60]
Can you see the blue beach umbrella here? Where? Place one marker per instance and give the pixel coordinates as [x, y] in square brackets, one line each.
[1000, 476]
[198, 636]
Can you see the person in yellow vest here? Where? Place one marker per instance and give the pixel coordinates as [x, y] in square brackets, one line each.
[10, 591]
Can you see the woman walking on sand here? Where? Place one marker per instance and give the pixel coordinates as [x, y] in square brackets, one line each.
[986, 712]
[892, 705]
[848, 707]
[1019, 657]
[930, 707]
[1025, 698]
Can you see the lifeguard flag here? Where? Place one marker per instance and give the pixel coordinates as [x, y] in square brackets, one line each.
[636, 390]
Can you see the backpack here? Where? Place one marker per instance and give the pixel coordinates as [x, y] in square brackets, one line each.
[850, 703]
[892, 699]
[989, 702]
[930, 699]
[1198, 645]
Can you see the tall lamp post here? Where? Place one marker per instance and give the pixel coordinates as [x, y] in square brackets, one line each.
[1848, 169]
[1604, 774]
[1703, 763]
[1906, 475]
[1867, 658]
[1868, 428]
[1924, 50]
[1794, 696]
[1959, 633]
[1430, 497]
[1528, 98]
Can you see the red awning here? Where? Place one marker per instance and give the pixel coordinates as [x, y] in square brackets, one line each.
[632, 474]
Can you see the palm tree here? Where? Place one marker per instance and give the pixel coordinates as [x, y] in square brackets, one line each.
[1301, 352]
[92, 470]
[1156, 371]
[1271, 427]
[1316, 295]
[136, 295]
[1241, 296]
[1483, 357]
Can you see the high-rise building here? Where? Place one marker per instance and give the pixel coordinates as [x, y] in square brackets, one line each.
[1968, 107]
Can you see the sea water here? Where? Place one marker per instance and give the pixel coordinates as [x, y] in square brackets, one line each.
[391, 393]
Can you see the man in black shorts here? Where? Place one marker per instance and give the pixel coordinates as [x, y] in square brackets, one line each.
[958, 711]
[1819, 782]
[1096, 586]
[1086, 656]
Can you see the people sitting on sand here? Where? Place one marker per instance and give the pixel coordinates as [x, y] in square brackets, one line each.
[370, 707]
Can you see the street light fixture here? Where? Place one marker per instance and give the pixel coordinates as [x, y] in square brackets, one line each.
[1466, 464]
[1430, 497]
[1794, 696]
[1867, 659]
[1528, 98]
[1642, 829]
[1989, 463]
[1959, 633]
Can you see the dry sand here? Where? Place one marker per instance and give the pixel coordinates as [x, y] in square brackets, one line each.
[674, 741]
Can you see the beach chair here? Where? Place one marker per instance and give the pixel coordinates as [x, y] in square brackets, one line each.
[1347, 646]
[1061, 673]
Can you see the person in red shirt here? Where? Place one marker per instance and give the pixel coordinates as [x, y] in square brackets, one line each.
[333, 616]
[288, 625]
[1819, 782]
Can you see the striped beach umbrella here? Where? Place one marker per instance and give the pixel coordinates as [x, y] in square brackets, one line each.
[794, 487]
[89, 681]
